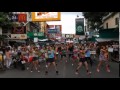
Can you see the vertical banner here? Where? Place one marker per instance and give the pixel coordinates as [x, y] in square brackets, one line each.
[79, 26]
[0, 30]
[42, 27]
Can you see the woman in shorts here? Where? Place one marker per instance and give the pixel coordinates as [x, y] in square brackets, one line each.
[51, 59]
[63, 53]
[75, 55]
[35, 62]
[82, 60]
[103, 57]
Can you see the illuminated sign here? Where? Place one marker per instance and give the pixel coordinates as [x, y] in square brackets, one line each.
[22, 17]
[46, 16]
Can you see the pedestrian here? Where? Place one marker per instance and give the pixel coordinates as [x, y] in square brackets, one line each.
[51, 59]
[35, 62]
[103, 58]
[82, 60]
[63, 53]
[70, 51]
[75, 55]
[88, 56]
[8, 57]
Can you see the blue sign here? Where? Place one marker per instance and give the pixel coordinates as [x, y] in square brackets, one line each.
[52, 30]
[13, 17]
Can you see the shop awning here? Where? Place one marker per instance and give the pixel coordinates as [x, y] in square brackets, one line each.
[106, 39]
[109, 33]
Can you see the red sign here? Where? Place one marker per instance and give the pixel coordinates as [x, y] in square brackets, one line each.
[19, 30]
[22, 17]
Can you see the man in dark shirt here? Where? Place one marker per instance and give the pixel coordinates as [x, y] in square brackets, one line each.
[70, 49]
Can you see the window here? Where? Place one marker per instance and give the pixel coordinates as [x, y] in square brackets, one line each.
[106, 25]
[116, 21]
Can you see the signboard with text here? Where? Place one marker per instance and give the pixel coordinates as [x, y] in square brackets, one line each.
[18, 36]
[18, 30]
[46, 16]
[79, 26]
[22, 17]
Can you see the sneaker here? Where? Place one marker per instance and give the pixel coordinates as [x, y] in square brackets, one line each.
[27, 68]
[98, 70]
[46, 72]
[38, 71]
[46, 66]
[89, 73]
[76, 73]
[31, 71]
[108, 70]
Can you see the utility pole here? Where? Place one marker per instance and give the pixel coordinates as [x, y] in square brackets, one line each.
[119, 36]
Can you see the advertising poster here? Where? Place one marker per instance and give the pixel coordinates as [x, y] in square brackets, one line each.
[19, 30]
[79, 26]
[46, 16]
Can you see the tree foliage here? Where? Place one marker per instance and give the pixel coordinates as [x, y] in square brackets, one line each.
[4, 21]
[95, 18]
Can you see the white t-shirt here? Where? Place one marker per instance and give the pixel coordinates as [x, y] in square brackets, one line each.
[19, 48]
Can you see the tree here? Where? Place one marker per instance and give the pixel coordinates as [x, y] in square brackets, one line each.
[95, 18]
[4, 23]
[4, 20]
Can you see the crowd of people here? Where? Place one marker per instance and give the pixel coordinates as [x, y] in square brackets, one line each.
[30, 56]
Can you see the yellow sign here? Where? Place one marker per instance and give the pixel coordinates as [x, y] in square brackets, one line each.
[19, 36]
[46, 16]
[1, 57]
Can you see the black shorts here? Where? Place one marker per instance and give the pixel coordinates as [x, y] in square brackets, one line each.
[82, 60]
[63, 55]
[35, 58]
[50, 60]
[70, 54]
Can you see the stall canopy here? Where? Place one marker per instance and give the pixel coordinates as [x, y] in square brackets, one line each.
[108, 35]
[106, 39]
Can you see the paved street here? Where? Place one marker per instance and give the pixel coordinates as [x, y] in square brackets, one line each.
[66, 70]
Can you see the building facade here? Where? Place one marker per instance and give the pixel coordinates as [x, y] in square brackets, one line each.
[111, 20]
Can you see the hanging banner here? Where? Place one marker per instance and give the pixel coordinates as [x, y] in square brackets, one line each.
[42, 27]
[79, 26]
[22, 17]
[46, 16]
